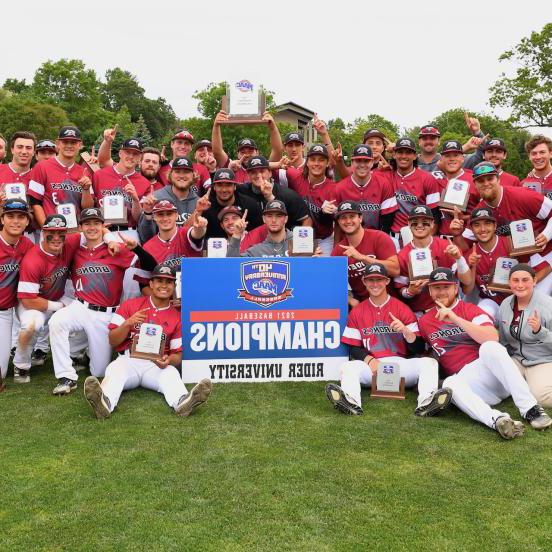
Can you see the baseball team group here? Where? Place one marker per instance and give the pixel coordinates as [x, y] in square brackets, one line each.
[78, 284]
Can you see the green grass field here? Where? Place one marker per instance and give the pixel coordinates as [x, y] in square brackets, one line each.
[263, 467]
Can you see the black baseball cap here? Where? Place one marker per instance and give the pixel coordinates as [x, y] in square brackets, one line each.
[204, 143]
[373, 133]
[318, 149]
[442, 276]
[45, 145]
[246, 143]
[482, 213]
[452, 146]
[163, 270]
[361, 151]
[429, 130]
[133, 144]
[92, 213]
[69, 133]
[405, 143]
[257, 162]
[224, 175]
[494, 143]
[293, 137]
[375, 270]
[419, 211]
[483, 169]
[184, 163]
[16, 206]
[55, 222]
[275, 206]
[347, 207]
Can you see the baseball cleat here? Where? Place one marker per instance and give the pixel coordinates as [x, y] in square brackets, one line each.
[38, 357]
[538, 418]
[81, 362]
[508, 428]
[197, 396]
[434, 403]
[64, 386]
[337, 397]
[21, 376]
[95, 396]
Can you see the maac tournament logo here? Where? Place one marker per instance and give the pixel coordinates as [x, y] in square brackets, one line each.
[458, 186]
[265, 283]
[244, 86]
[521, 227]
[420, 255]
[507, 264]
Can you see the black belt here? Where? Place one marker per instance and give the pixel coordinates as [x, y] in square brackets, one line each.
[119, 227]
[96, 308]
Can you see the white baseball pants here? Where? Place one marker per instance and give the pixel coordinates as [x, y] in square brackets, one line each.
[6, 320]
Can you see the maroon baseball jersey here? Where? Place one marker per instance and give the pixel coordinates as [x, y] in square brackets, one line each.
[43, 274]
[453, 346]
[10, 261]
[375, 198]
[368, 327]
[171, 251]
[415, 188]
[52, 183]
[9, 176]
[423, 301]
[197, 187]
[507, 179]
[98, 276]
[545, 183]
[168, 317]
[255, 236]
[314, 196]
[108, 181]
[375, 244]
[442, 180]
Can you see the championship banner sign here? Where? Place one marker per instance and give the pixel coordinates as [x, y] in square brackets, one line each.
[267, 319]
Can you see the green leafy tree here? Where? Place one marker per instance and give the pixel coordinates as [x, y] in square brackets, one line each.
[529, 92]
[142, 131]
[16, 86]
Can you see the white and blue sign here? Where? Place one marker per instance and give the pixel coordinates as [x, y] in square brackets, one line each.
[264, 319]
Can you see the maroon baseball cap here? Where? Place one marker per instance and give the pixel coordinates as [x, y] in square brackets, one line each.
[183, 134]
[230, 210]
[164, 205]
[429, 130]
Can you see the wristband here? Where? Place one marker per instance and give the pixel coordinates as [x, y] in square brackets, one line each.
[54, 305]
[462, 265]
[406, 294]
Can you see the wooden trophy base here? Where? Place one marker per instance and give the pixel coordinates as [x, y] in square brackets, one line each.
[87, 163]
[256, 119]
[500, 288]
[375, 393]
[529, 250]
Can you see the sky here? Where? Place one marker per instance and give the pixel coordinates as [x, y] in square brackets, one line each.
[406, 60]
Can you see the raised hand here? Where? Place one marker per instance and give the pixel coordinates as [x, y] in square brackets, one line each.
[457, 223]
[535, 321]
[131, 190]
[415, 287]
[474, 257]
[472, 123]
[541, 240]
[452, 250]
[163, 155]
[329, 207]
[319, 125]
[211, 163]
[240, 225]
[129, 242]
[266, 189]
[110, 134]
[352, 252]
[203, 203]
[221, 117]
[85, 182]
[268, 118]
[235, 164]
[396, 325]
[137, 318]
[444, 313]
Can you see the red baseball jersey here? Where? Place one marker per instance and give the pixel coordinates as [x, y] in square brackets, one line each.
[53, 184]
[157, 185]
[9, 176]
[314, 196]
[486, 265]
[255, 236]
[98, 276]
[368, 327]
[423, 301]
[108, 181]
[545, 183]
[167, 317]
[375, 198]
[507, 179]
[43, 274]
[453, 346]
[197, 187]
[442, 180]
[171, 251]
[375, 244]
[10, 261]
[415, 188]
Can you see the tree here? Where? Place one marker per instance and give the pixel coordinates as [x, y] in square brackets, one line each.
[16, 86]
[142, 131]
[529, 93]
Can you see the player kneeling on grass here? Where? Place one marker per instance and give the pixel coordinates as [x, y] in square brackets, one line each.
[382, 329]
[480, 371]
[160, 375]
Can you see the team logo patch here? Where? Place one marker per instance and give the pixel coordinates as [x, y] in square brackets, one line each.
[133, 143]
[374, 268]
[69, 132]
[151, 331]
[165, 270]
[244, 86]
[294, 136]
[521, 227]
[224, 175]
[318, 148]
[419, 210]
[265, 283]
[440, 276]
[346, 206]
[362, 149]
[450, 145]
[255, 162]
[494, 143]
[484, 213]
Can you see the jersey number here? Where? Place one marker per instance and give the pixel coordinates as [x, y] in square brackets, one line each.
[439, 350]
[78, 287]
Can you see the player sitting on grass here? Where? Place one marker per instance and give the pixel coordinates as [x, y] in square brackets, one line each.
[161, 375]
[480, 372]
[379, 330]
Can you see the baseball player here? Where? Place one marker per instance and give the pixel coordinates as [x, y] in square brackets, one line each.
[479, 370]
[539, 151]
[443, 253]
[494, 151]
[40, 291]
[45, 149]
[13, 247]
[378, 143]
[379, 330]
[373, 193]
[362, 247]
[294, 145]
[203, 155]
[126, 372]
[98, 281]
[428, 140]
[60, 180]
[149, 167]
[18, 170]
